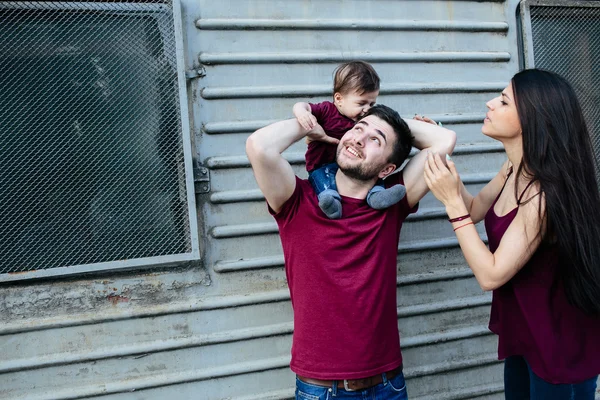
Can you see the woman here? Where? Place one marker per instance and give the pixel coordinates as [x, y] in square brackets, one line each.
[542, 217]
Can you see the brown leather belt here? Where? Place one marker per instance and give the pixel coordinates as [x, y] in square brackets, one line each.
[354, 384]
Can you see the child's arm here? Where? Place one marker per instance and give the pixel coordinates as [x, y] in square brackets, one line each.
[304, 115]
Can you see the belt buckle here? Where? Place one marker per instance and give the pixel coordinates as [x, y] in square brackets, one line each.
[346, 388]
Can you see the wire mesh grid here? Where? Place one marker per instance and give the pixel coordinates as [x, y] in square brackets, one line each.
[566, 40]
[91, 146]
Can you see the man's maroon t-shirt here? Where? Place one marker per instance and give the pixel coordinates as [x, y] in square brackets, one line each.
[335, 125]
[342, 280]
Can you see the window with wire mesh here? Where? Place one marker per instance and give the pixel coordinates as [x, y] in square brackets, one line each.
[566, 40]
[91, 154]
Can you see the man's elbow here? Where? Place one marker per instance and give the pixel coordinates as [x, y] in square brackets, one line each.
[253, 149]
[249, 145]
[450, 142]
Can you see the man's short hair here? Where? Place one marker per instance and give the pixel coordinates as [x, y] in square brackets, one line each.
[404, 138]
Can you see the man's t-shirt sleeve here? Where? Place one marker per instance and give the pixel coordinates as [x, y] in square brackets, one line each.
[290, 207]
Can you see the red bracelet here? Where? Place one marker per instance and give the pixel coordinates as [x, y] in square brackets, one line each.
[458, 227]
[452, 220]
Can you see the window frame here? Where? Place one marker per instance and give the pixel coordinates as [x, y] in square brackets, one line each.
[187, 146]
[528, 56]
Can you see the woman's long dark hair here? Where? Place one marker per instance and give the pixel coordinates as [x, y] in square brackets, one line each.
[557, 153]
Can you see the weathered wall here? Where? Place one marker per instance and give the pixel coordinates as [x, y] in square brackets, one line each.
[221, 328]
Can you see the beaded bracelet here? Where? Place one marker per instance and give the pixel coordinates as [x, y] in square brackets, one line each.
[460, 218]
[468, 223]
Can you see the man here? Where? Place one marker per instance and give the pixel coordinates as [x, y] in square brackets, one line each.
[342, 273]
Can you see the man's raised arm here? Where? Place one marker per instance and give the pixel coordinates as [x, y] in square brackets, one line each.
[428, 137]
[273, 173]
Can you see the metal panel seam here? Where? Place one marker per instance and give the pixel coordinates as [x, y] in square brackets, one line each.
[350, 24]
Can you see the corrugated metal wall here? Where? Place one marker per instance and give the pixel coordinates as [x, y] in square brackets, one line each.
[439, 58]
[222, 329]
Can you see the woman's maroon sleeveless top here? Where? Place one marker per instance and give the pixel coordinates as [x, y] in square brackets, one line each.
[532, 317]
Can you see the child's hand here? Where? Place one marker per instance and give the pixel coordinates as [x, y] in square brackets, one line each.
[307, 120]
[319, 134]
[426, 119]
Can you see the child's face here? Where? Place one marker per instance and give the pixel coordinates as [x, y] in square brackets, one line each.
[354, 105]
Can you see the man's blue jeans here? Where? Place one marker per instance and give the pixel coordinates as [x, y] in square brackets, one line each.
[393, 389]
[520, 383]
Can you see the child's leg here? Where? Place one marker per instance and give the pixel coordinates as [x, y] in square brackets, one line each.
[381, 198]
[323, 182]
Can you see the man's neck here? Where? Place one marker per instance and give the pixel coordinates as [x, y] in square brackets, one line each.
[354, 188]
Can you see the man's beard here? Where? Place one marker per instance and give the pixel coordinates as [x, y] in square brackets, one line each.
[360, 172]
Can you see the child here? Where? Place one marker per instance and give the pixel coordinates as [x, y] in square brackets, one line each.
[355, 89]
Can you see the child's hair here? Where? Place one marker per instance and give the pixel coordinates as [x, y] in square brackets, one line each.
[355, 76]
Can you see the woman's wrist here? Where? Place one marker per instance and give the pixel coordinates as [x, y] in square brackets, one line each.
[456, 209]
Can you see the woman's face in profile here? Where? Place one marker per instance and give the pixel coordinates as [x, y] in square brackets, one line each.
[502, 119]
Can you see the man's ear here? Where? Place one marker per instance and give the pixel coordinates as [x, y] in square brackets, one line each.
[388, 169]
